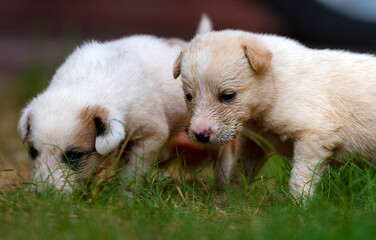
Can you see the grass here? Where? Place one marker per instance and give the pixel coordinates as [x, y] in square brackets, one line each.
[344, 206]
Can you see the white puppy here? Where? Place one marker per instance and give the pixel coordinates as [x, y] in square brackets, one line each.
[100, 93]
[312, 104]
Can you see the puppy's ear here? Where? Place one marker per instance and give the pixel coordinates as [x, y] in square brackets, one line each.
[258, 56]
[110, 131]
[24, 124]
[177, 64]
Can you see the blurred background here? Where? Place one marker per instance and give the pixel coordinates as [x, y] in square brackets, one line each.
[37, 35]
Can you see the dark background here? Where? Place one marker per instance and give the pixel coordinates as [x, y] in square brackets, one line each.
[44, 32]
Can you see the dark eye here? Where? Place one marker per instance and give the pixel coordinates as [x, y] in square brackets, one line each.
[33, 152]
[227, 96]
[189, 97]
[72, 158]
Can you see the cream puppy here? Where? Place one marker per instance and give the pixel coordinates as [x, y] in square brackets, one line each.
[311, 104]
[100, 93]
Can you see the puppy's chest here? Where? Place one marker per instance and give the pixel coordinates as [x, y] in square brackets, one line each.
[281, 127]
[281, 144]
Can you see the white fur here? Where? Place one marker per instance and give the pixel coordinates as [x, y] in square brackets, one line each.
[129, 77]
[130, 81]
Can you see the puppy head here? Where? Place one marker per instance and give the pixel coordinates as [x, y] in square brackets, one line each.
[67, 139]
[223, 75]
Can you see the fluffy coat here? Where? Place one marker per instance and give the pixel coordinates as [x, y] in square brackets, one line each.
[101, 93]
[311, 104]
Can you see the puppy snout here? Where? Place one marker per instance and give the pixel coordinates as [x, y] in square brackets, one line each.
[203, 137]
[203, 130]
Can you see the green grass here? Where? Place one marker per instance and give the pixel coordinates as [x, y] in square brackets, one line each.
[344, 206]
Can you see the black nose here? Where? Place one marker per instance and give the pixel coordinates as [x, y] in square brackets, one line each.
[202, 137]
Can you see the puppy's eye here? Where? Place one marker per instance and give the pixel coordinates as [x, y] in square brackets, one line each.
[33, 152]
[227, 96]
[189, 97]
[72, 158]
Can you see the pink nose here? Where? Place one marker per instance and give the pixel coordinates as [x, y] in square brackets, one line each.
[204, 136]
[203, 130]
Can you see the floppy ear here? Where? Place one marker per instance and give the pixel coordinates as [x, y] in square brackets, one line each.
[110, 131]
[258, 56]
[177, 64]
[24, 124]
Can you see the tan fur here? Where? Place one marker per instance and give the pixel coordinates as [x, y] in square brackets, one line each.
[177, 64]
[310, 104]
[84, 141]
[84, 137]
[258, 56]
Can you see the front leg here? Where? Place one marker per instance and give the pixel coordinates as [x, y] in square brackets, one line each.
[249, 156]
[141, 157]
[308, 166]
[223, 164]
